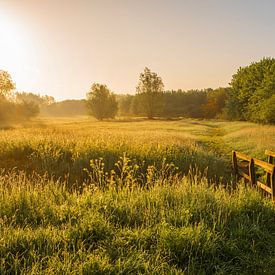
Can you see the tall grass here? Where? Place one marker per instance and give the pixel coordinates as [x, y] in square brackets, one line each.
[174, 226]
[64, 150]
[145, 199]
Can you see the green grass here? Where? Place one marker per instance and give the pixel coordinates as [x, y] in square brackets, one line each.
[64, 147]
[173, 227]
[132, 212]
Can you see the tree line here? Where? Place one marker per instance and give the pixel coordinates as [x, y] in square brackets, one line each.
[206, 103]
[250, 96]
[16, 107]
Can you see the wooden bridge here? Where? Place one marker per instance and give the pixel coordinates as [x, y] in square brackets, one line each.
[247, 167]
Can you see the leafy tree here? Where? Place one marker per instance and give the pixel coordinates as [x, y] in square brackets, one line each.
[70, 107]
[215, 102]
[6, 110]
[264, 110]
[48, 100]
[125, 104]
[6, 84]
[252, 87]
[37, 99]
[10, 110]
[27, 110]
[101, 102]
[6, 87]
[149, 91]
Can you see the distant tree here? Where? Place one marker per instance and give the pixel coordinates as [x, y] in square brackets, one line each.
[28, 97]
[101, 102]
[125, 104]
[150, 91]
[215, 102]
[48, 100]
[253, 87]
[65, 108]
[193, 102]
[7, 110]
[35, 98]
[6, 84]
[27, 110]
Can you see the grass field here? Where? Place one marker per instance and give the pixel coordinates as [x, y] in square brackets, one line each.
[132, 197]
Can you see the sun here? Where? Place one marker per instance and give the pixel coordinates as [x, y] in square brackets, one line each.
[15, 47]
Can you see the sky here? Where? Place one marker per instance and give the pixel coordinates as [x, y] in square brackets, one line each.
[61, 47]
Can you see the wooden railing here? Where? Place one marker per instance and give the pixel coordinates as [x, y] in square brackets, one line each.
[246, 169]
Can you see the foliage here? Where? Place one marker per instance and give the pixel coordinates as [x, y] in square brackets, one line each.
[6, 84]
[267, 110]
[36, 99]
[27, 110]
[149, 92]
[7, 110]
[14, 111]
[126, 105]
[184, 104]
[215, 102]
[65, 108]
[206, 103]
[17, 112]
[101, 102]
[253, 87]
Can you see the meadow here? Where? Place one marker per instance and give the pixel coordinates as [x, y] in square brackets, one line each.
[132, 196]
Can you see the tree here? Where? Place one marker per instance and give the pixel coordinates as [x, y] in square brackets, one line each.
[6, 84]
[125, 104]
[150, 91]
[215, 102]
[27, 110]
[48, 100]
[101, 102]
[252, 88]
[38, 99]
[69, 107]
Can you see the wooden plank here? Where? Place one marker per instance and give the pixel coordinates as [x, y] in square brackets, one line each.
[267, 166]
[242, 156]
[270, 153]
[241, 173]
[264, 187]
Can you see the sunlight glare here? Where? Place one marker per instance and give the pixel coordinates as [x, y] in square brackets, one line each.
[15, 47]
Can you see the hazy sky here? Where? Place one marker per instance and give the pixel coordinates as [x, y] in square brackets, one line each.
[61, 47]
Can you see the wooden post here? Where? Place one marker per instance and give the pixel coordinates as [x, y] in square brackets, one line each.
[235, 169]
[268, 175]
[252, 172]
[234, 162]
[272, 178]
[270, 159]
